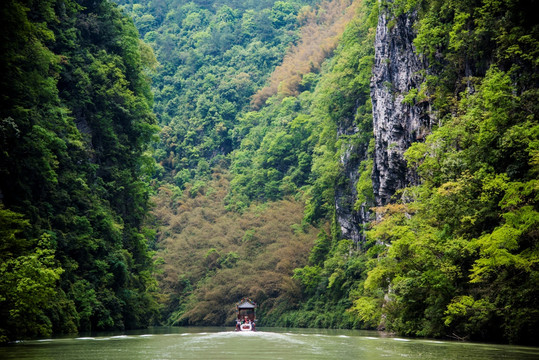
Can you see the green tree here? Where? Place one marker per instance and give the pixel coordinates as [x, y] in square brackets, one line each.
[29, 274]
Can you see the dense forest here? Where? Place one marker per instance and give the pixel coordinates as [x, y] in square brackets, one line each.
[76, 124]
[345, 163]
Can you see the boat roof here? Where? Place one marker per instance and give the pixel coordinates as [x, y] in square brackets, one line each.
[246, 305]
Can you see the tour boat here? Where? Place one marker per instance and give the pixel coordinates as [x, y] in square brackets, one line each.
[245, 315]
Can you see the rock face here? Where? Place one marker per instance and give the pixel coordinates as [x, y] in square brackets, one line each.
[396, 124]
[348, 218]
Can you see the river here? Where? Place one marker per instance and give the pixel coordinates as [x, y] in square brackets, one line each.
[269, 343]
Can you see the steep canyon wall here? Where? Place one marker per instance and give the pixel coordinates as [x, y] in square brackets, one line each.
[396, 124]
[397, 70]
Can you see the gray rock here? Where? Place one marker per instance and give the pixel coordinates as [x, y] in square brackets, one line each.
[348, 218]
[397, 125]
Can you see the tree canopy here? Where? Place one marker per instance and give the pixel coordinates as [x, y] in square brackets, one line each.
[76, 121]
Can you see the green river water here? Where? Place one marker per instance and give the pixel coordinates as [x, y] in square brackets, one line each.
[267, 343]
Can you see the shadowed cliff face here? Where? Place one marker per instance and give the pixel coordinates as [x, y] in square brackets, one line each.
[348, 218]
[396, 124]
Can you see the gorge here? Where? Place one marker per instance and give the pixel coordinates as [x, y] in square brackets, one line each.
[354, 164]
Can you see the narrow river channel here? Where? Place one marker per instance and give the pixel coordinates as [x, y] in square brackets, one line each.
[269, 343]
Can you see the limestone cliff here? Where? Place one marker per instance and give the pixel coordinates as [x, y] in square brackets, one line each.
[397, 69]
[348, 218]
[396, 124]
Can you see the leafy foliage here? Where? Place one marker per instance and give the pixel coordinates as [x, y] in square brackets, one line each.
[75, 120]
[209, 256]
[461, 255]
[213, 57]
[269, 155]
[457, 255]
[321, 28]
[305, 128]
[259, 102]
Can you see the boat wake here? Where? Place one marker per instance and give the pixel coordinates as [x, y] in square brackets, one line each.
[265, 335]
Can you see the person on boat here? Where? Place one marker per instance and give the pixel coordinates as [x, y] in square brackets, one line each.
[246, 320]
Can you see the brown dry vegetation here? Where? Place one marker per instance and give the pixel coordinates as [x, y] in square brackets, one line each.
[209, 258]
[320, 32]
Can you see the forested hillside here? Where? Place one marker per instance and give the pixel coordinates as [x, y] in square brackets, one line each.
[345, 163]
[76, 119]
[463, 251]
[207, 102]
[412, 145]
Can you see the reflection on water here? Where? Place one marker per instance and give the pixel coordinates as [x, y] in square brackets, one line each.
[273, 343]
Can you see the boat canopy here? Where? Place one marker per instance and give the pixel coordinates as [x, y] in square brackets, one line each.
[246, 305]
[246, 308]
